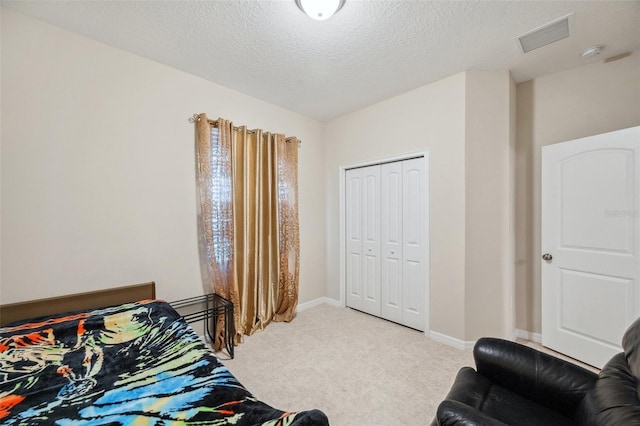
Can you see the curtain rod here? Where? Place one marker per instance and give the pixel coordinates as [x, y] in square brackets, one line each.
[196, 117]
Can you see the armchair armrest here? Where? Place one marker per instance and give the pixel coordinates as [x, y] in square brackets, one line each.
[452, 413]
[548, 380]
[614, 398]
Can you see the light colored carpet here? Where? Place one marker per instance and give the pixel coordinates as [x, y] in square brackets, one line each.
[358, 369]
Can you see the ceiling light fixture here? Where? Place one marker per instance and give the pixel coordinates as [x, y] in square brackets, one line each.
[320, 9]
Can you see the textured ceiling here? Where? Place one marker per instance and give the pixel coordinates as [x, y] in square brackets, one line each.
[369, 51]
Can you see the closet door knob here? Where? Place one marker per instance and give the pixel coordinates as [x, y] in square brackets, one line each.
[547, 257]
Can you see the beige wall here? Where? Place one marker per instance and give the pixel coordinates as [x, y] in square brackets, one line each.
[429, 118]
[488, 184]
[464, 121]
[589, 100]
[98, 180]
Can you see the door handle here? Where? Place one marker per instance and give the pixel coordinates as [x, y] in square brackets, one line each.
[547, 257]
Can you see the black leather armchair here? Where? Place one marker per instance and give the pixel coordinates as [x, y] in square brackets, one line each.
[517, 385]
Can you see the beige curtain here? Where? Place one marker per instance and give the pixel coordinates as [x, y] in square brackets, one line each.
[248, 190]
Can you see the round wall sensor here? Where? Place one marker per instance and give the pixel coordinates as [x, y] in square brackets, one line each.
[590, 52]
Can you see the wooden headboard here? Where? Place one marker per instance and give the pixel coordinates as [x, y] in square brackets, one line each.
[74, 302]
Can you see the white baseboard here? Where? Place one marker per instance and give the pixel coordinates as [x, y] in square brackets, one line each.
[461, 344]
[527, 335]
[451, 341]
[319, 301]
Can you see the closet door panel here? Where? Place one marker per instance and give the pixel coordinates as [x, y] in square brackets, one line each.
[391, 241]
[370, 203]
[353, 220]
[415, 246]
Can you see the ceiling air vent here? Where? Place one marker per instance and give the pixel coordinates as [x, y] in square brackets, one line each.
[546, 34]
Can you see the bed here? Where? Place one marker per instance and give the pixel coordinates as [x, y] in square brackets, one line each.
[133, 362]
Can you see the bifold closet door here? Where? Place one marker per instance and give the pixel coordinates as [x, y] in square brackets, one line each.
[363, 239]
[387, 249]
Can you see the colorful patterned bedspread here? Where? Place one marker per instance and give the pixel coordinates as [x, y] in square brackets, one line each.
[134, 364]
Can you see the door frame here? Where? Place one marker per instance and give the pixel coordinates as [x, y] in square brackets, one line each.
[343, 213]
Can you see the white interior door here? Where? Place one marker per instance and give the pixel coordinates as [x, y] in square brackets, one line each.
[590, 238]
[363, 239]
